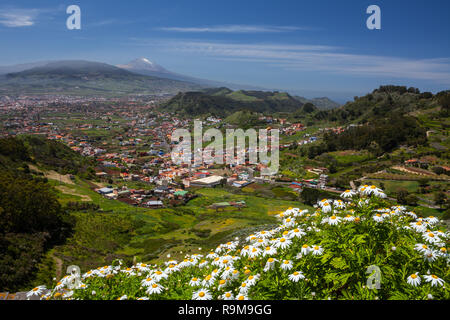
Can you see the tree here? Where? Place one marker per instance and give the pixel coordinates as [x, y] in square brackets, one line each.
[411, 200]
[438, 170]
[424, 182]
[402, 195]
[440, 198]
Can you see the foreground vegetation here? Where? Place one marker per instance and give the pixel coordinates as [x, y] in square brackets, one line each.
[331, 253]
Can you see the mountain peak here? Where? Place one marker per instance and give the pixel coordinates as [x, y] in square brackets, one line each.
[145, 65]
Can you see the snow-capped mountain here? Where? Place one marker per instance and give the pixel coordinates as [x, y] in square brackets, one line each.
[143, 64]
[146, 67]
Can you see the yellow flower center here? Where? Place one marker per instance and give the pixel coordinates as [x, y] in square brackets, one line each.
[413, 276]
[270, 260]
[201, 294]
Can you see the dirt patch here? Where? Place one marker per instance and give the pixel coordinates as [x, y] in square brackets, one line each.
[58, 177]
[73, 192]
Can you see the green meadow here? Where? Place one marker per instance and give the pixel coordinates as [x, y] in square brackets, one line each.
[120, 231]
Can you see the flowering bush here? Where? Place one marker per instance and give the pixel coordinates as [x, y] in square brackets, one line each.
[326, 254]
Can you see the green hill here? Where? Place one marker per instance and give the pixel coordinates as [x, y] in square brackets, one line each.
[222, 102]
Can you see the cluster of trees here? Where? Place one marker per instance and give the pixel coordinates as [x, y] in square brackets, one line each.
[397, 89]
[378, 137]
[31, 222]
[58, 156]
[31, 219]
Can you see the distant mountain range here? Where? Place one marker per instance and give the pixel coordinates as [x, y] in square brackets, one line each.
[138, 77]
[87, 78]
[323, 103]
[148, 68]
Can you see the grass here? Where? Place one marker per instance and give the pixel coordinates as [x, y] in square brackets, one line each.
[126, 232]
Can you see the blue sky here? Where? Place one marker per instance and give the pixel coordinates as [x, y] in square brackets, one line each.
[314, 48]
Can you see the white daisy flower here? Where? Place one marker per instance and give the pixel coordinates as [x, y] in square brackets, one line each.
[222, 283]
[286, 265]
[348, 194]
[432, 220]
[158, 275]
[297, 233]
[296, 276]
[339, 204]
[195, 282]
[254, 252]
[430, 255]
[283, 243]
[155, 289]
[414, 279]
[334, 220]
[435, 280]
[269, 251]
[349, 218]
[430, 237]
[251, 280]
[241, 297]
[270, 264]
[202, 294]
[419, 226]
[422, 248]
[317, 250]
[305, 249]
[38, 291]
[203, 264]
[147, 282]
[378, 217]
[228, 296]
[326, 207]
[208, 281]
[243, 288]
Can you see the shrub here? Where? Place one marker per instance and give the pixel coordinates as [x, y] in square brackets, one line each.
[326, 254]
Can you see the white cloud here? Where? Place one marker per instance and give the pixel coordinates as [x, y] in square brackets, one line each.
[234, 29]
[14, 18]
[317, 58]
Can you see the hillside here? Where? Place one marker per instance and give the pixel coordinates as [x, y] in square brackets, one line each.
[87, 78]
[222, 102]
[382, 102]
[323, 103]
